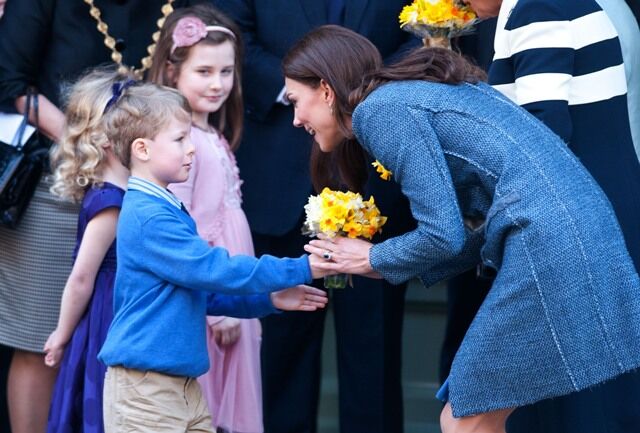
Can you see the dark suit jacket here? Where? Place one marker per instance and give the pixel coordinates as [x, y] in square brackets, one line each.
[274, 156]
[48, 43]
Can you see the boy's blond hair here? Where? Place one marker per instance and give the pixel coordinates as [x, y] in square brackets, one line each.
[77, 159]
[143, 110]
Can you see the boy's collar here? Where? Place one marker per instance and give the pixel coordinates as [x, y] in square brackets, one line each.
[143, 185]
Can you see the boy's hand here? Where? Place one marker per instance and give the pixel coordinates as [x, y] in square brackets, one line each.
[299, 298]
[226, 332]
[54, 350]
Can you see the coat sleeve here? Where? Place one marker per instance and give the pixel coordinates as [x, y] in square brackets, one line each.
[24, 31]
[175, 253]
[438, 248]
[260, 66]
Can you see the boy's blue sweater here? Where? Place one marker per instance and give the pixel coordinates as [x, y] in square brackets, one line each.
[160, 300]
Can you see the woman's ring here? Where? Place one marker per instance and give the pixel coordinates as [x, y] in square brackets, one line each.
[327, 255]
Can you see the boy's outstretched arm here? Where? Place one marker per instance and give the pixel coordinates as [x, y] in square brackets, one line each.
[298, 298]
[174, 252]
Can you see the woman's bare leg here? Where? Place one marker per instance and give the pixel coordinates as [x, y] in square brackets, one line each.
[489, 422]
[29, 387]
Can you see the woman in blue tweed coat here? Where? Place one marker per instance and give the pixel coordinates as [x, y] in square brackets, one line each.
[488, 183]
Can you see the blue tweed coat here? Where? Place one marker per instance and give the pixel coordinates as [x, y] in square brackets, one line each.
[564, 311]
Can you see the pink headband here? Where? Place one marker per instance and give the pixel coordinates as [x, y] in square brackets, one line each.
[191, 30]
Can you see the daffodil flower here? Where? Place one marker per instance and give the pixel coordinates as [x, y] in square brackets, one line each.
[384, 173]
[338, 213]
[437, 18]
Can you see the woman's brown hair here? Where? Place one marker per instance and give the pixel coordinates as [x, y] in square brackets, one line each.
[228, 119]
[352, 67]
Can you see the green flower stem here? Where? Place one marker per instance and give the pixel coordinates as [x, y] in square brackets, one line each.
[338, 281]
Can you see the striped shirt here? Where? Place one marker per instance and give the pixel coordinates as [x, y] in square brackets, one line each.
[550, 53]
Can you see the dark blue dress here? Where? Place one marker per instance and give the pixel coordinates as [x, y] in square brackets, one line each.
[76, 404]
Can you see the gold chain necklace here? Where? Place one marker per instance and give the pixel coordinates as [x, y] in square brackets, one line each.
[110, 42]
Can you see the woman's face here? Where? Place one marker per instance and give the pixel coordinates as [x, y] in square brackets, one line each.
[313, 111]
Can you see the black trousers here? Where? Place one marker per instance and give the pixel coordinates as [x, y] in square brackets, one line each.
[368, 323]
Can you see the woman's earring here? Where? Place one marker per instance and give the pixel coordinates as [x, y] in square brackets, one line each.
[331, 109]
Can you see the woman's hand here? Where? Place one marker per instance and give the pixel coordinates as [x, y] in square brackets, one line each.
[342, 255]
[54, 349]
[318, 267]
[299, 298]
[226, 332]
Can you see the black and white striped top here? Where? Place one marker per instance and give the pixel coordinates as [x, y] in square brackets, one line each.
[550, 53]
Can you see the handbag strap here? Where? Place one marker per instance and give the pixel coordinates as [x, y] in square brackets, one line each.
[34, 95]
[17, 138]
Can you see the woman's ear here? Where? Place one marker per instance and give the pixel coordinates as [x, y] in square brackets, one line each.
[140, 150]
[327, 92]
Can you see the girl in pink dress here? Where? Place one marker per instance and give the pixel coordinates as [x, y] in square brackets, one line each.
[197, 54]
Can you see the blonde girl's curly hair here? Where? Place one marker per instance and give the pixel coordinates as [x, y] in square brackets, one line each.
[77, 159]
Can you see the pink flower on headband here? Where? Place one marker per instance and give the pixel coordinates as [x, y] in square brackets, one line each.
[188, 31]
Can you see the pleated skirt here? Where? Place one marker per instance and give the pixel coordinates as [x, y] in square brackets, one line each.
[35, 261]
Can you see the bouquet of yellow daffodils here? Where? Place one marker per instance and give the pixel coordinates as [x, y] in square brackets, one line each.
[437, 21]
[337, 213]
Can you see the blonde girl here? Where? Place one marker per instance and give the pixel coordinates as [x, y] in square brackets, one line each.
[199, 53]
[86, 171]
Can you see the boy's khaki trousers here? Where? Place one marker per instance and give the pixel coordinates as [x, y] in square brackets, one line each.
[149, 402]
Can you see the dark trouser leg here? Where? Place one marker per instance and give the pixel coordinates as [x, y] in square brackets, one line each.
[368, 319]
[613, 407]
[290, 354]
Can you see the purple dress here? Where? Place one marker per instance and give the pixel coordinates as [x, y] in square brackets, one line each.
[76, 404]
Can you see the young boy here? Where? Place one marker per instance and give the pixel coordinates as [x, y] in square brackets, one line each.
[155, 347]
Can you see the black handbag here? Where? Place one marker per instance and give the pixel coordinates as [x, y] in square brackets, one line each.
[21, 166]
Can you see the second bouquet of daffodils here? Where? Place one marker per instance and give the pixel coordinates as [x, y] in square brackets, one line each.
[337, 213]
[437, 21]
